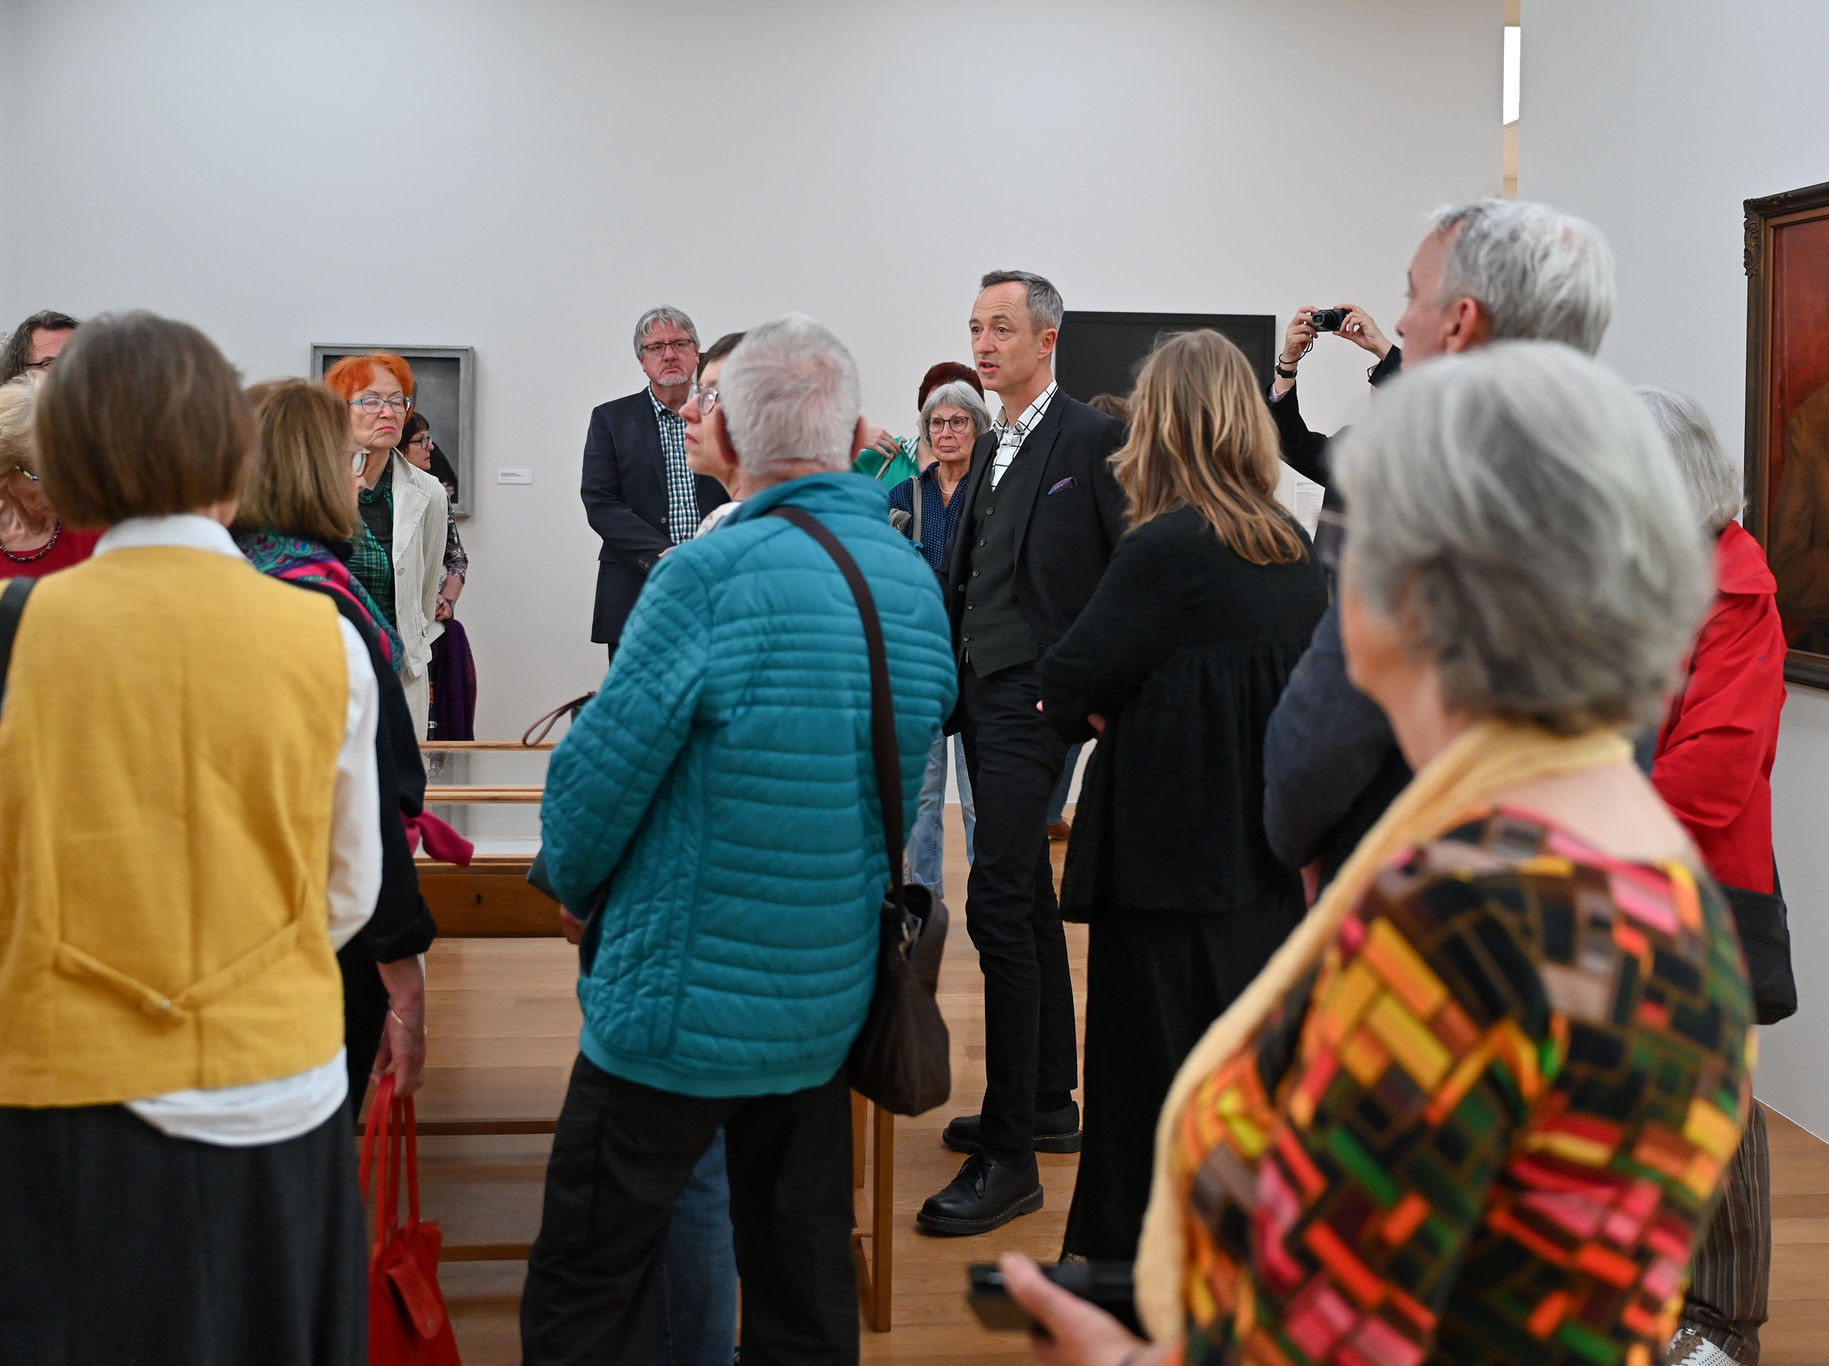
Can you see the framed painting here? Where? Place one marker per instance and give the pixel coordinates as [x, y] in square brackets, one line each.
[1787, 414]
[1100, 353]
[444, 390]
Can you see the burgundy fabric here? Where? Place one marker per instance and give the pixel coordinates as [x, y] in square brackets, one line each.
[440, 840]
[453, 678]
[1715, 750]
[73, 547]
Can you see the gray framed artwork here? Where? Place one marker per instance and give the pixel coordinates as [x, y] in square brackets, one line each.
[444, 390]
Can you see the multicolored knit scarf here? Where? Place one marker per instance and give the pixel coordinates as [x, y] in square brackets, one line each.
[300, 561]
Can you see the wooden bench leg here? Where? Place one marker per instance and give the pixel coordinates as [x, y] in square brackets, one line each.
[858, 1108]
[875, 1263]
[882, 1225]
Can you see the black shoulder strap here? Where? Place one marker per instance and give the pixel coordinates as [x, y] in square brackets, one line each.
[882, 714]
[12, 605]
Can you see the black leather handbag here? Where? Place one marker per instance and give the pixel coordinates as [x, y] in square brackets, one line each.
[902, 1058]
[1765, 939]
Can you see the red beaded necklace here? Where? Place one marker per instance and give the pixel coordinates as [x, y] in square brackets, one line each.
[38, 554]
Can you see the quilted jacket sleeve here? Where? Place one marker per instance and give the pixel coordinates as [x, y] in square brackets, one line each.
[607, 770]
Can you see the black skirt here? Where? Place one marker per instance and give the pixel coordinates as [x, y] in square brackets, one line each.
[1154, 981]
[119, 1244]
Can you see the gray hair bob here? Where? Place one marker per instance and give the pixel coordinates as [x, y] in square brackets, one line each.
[956, 393]
[1516, 509]
[1712, 479]
[791, 398]
[1541, 275]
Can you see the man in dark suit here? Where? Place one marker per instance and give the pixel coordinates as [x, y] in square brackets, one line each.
[637, 490]
[1041, 515]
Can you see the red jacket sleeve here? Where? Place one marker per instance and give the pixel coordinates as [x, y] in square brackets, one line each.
[1722, 729]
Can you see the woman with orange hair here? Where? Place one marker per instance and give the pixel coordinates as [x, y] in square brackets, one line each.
[398, 552]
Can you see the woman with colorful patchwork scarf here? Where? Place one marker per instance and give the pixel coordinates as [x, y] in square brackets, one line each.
[295, 522]
[1477, 1108]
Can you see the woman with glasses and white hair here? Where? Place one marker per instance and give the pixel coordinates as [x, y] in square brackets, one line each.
[1478, 1105]
[953, 417]
[34, 541]
[1713, 769]
[398, 553]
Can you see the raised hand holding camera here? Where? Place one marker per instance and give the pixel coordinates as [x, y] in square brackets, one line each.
[1356, 326]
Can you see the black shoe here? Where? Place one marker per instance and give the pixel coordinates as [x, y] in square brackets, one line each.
[987, 1194]
[1058, 1131]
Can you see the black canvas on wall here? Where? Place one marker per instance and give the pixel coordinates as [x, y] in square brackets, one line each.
[1100, 353]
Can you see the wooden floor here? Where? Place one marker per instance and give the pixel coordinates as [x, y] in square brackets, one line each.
[503, 1021]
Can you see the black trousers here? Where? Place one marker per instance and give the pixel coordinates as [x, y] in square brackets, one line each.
[1154, 981]
[621, 1156]
[121, 1244]
[364, 1014]
[1015, 758]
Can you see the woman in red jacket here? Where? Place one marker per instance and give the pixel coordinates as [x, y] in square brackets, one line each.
[1713, 769]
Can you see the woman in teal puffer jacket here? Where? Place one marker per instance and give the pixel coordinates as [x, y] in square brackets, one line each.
[722, 781]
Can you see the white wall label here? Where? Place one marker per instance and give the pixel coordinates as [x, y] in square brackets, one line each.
[514, 476]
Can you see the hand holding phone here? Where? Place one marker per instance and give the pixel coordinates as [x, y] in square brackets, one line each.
[1105, 1284]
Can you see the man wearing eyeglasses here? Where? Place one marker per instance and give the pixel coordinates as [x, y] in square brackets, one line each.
[638, 491]
[35, 344]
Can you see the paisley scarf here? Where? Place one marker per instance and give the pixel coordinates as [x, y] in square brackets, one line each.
[300, 561]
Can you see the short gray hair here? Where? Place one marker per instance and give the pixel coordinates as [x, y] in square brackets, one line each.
[664, 313]
[1045, 303]
[956, 393]
[1541, 275]
[791, 398]
[1517, 510]
[1713, 480]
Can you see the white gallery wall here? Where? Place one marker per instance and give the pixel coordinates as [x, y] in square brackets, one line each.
[1657, 119]
[526, 179]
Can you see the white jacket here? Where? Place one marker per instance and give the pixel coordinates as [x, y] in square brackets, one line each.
[419, 560]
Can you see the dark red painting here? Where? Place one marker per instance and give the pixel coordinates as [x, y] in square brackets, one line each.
[1788, 413]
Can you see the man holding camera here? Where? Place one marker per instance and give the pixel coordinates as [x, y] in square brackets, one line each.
[1306, 451]
[1491, 270]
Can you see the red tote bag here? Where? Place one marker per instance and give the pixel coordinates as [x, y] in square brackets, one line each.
[407, 1322]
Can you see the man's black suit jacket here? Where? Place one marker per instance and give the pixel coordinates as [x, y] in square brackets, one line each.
[1068, 535]
[625, 495]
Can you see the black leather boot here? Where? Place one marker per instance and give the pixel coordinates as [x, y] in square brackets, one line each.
[987, 1193]
[1058, 1131]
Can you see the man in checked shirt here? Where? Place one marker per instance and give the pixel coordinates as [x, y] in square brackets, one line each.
[638, 492]
[1041, 513]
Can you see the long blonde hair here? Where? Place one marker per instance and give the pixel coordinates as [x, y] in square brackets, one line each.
[1202, 437]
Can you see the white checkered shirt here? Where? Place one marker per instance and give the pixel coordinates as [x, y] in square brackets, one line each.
[1010, 439]
[682, 494]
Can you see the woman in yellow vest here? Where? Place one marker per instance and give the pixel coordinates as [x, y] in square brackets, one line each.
[188, 832]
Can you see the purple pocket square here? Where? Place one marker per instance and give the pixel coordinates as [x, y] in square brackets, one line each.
[1068, 483]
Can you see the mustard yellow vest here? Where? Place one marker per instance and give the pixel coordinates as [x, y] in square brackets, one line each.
[168, 749]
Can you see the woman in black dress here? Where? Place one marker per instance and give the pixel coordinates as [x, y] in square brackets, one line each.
[1176, 664]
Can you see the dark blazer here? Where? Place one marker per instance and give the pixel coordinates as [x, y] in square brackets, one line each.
[1077, 519]
[1183, 650]
[624, 489]
[1305, 451]
[1331, 762]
